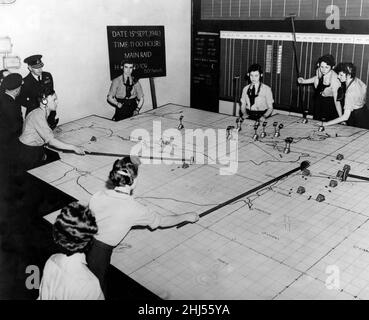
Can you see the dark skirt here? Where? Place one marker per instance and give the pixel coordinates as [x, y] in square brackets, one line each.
[324, 108]
[30, 157]
[359, 118]
[255, 114]
[98, 261]
[127, 109]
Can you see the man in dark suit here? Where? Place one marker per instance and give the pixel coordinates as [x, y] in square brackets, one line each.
[11, 120]
[11, 123]
[34, 83]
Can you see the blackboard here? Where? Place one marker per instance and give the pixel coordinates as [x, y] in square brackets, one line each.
[205, 72]
[142, 45]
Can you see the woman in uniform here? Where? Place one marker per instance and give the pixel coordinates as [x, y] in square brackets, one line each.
[326, 83]
[257, 97]
[126, 93]
[117, 211]
[37, 134]
[356, 112]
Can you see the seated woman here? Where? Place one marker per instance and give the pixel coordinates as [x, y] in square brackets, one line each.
[326, 83]
[257, 97]
[126, 93]
[117, 211]
[66, 275]
[356, 113]
[37, 134]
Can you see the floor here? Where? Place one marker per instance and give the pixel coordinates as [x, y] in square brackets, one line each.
[25, 240]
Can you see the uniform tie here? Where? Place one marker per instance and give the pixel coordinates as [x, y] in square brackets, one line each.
[252, 95]
[128, 88]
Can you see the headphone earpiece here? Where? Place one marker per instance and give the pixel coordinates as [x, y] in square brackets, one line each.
[44, 101]
[248, 75]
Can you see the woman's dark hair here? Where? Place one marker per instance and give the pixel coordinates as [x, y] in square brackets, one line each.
[348, 68]
[44, 93]
[134, 73]
[252, 68]
[124, 172]
[74, 228]
[255, 67]
[328, 59]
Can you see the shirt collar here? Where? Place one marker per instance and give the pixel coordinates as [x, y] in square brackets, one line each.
[36, 77]
[10, 95]
[125, 190]
[78, 257]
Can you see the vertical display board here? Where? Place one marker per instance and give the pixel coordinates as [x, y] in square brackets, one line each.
[274, 52]
[279, 9]
[142, 45]
[205, 72]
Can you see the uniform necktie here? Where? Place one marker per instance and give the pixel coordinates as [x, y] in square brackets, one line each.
[38, 78]
[128, 88]
[252, 95]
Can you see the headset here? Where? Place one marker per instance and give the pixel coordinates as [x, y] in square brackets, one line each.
[252, 68]
[248, 74]
[42, 98]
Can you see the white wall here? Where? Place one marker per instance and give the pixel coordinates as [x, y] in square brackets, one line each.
[71, 35]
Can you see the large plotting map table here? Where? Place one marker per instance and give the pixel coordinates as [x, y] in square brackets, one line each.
[272, 244]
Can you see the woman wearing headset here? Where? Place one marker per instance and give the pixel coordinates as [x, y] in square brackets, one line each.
[327, 105]
[37, 134]
[356, 112]
[126, 93]
[257, 98]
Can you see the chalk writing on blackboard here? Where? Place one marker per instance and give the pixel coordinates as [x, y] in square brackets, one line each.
[142, 45]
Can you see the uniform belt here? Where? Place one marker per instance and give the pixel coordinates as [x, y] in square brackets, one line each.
[125, 99]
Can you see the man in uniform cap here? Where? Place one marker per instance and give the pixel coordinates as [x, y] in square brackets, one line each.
[11, 123]
[3, 74]
[11, 120]
[34, 83]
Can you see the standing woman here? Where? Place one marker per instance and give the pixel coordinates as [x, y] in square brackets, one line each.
[356, 112]
[37, 134]
[257, 98]
[117, 211]
[326, 83]
[126, 93]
